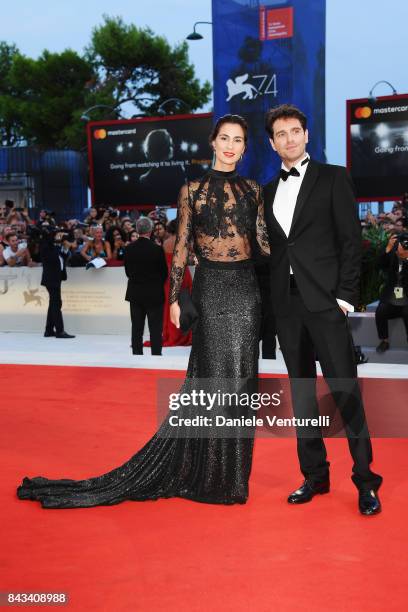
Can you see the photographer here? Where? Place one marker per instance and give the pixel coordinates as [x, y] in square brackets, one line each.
[54, 249]
[394, 297]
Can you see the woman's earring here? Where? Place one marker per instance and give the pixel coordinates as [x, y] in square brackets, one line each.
[214, 158]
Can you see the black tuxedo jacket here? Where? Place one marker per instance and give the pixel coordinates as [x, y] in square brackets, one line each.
[389, 262]
[52, 275]
[324, 243]
[146, 269]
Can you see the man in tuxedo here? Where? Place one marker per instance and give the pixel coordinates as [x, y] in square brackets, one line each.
[146, 269]
[53, 258]
[315, 240]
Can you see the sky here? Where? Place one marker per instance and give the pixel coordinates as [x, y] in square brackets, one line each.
[366, 41]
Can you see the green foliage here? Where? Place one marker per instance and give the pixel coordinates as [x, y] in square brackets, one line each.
[50, 90]
[375, 240]
[10, 125]
[42, 100]
[137, 66]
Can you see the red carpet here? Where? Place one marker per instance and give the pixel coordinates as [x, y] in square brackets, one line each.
[174, 554]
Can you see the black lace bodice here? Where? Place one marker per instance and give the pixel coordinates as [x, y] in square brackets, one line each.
[222, 213]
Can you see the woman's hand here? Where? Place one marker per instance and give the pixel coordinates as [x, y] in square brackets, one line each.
[175, 314]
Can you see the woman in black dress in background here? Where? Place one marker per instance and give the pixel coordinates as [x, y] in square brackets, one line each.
[223, 213]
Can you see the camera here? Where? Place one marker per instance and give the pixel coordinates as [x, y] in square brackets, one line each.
[44, 232]
[403, 240]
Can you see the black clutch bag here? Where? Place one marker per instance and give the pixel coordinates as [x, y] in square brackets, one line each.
[188, 312]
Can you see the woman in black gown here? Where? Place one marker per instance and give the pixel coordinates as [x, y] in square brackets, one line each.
[223, 213]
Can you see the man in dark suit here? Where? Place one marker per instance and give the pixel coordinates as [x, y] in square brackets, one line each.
[146, 269]
[394, 296]
[315, 241]
[53, 258]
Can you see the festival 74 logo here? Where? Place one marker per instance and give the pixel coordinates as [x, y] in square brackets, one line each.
[265, 84]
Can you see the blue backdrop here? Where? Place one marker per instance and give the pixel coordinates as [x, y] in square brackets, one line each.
[267, 54]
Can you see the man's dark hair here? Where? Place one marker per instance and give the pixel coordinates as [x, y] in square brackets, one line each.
[10, 235]
[284, 111]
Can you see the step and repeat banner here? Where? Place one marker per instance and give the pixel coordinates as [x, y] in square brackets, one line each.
[93, 301]
[377, 146]
[146, 161]
[265, 54]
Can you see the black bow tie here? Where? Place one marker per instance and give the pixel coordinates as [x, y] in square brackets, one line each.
[284, 174]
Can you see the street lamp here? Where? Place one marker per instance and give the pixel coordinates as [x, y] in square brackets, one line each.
[160, 110]
[196, 35]
[85, 116]
[372, 97]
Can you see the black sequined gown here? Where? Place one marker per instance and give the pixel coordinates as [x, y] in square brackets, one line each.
[223, 214]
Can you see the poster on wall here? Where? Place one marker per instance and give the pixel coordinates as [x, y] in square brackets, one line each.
[265, 54]
[377, 146]
[146, 161]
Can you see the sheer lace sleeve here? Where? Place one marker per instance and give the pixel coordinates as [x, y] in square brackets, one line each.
[261, 231]
[180, 253]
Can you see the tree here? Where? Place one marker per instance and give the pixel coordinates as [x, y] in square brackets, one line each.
[50, 91]
[139, 67]
[10, 125]
[42, 100]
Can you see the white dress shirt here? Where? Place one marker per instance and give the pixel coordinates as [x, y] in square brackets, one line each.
[285, 202]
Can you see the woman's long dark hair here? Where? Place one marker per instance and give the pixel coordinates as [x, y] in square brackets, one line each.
[110, 232]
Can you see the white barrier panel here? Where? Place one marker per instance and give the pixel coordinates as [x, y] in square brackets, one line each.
[93, 301]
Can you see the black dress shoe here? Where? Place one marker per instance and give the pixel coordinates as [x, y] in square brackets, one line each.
[64, 335]
[383, 346]
[307, 491]
[368, 502]
[48, 334]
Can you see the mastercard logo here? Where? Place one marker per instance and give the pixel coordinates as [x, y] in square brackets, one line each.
[363, 112]
[99, 134]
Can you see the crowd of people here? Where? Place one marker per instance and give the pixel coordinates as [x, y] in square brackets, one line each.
[106, 232]
[103, 233]
[393, 222]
